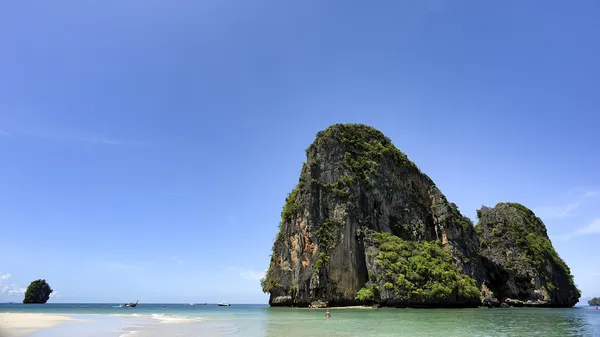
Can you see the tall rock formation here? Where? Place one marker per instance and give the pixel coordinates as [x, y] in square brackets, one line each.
[364, 225]
[522, 266]
[355, 178]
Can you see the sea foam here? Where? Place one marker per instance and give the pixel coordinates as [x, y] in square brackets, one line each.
[175, 319]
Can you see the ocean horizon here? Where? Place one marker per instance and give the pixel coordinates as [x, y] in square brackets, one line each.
[258, 320]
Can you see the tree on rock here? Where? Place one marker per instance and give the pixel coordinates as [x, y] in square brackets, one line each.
[38, 292]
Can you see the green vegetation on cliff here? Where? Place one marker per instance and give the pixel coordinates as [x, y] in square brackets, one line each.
[325, 234]
[268, 283]
[415, 272]
[291, 206]
[364, 149]
[594, 301]
[38, 292]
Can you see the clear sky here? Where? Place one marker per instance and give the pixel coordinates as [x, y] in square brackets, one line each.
[147, 146]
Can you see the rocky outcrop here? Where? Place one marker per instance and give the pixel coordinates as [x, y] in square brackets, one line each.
[522, 268]
[365, 226]
[38, 292]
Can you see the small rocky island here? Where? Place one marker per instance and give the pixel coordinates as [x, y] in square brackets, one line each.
[594, 301]
[520, 264]
[364, 226]
[38, 292]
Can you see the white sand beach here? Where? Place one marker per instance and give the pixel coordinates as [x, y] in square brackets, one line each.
[21, 324]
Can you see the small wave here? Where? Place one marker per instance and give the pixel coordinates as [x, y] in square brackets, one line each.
[125, 315]
[118, 306]
[175, 319]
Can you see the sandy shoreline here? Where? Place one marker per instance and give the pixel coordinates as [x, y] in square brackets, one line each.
[21, 324]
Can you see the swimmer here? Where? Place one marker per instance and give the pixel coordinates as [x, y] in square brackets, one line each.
[328, 314]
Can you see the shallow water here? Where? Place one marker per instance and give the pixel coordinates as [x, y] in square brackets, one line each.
[183, 320]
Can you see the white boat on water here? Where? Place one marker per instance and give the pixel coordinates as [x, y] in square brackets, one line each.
[224, 304]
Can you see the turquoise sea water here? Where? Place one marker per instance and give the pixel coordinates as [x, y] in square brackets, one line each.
[185, 320]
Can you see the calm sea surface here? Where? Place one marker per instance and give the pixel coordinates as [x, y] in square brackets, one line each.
[182, 320]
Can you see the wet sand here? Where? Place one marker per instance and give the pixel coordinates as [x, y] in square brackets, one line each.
[21, 324]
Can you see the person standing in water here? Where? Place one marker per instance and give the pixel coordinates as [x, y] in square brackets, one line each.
[328, 314]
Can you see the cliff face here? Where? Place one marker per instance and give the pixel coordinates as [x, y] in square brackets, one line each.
[353, 178]
[522, 267]
[365, 225]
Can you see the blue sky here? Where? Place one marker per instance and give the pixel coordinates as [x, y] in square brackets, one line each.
[148, 146]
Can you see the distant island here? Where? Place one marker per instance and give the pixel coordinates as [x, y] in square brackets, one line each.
[594, 301]
[38, 292]
[364, 226]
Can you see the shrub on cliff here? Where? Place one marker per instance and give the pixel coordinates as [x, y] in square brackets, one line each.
[38, 292]
[415, 272]
[365, 148]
